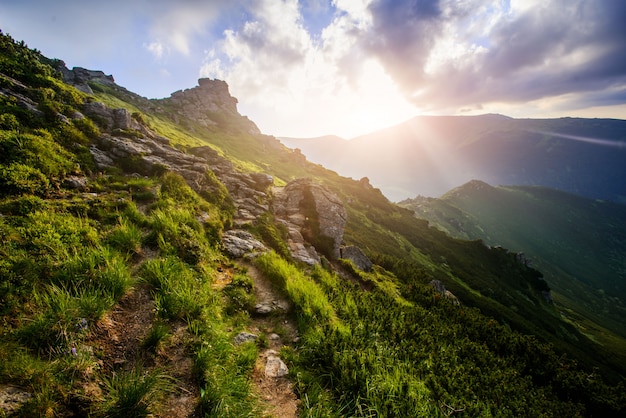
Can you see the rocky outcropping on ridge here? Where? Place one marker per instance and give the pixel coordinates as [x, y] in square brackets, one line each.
[209, 103]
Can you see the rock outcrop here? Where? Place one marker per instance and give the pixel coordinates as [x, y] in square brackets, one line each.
[79, 77]
[207, 104]
[128, 143]
[315, 219]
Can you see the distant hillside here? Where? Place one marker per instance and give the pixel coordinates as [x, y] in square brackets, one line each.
[577, 242]
[429, 155]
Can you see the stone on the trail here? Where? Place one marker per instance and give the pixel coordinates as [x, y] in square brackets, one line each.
[11, 399]
[274, 366]
[263, 309]
[244, 337]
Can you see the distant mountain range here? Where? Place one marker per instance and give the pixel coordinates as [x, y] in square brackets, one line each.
[429, 155]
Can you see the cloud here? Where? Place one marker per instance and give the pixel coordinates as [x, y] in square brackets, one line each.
[155, 48]
[447, 53]
[294, 78]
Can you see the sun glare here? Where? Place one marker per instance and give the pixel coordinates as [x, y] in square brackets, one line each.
[377, 103]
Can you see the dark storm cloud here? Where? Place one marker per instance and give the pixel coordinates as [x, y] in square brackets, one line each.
[555, 48]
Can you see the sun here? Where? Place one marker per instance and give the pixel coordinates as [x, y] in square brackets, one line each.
[377, 102]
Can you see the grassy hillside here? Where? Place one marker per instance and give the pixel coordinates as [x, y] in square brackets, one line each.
[576, 242]
[118, 300]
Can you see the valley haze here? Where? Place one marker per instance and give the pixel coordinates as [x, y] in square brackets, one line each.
[429, 155]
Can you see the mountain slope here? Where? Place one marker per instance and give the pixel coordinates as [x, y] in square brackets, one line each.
[112, 204]
[429, 155]
[578, 243]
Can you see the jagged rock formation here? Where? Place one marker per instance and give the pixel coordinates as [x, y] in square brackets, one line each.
[209, 103]
[315, 219]
[127, 142]
[79, 77]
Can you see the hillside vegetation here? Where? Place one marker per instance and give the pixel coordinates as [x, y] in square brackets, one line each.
[118, 297]
[577, 243]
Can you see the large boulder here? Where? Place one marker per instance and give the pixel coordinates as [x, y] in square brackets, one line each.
[314, 216]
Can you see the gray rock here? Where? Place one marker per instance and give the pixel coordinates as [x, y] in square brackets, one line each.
[102, 114]
[441, 289]
[295, 204]
[263, 309]
[357, 257]
[274, 366]
[77, 183]
[12, 398]
[244, 337]
[238, 243]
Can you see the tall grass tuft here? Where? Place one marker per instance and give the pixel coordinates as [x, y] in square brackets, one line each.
[309, 298]
[179, 291]
[134, 393]
[126, 238]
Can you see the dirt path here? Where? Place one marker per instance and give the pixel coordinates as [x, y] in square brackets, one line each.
[118, 337]
[276, 392]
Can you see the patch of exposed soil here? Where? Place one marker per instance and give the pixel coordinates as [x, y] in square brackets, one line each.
[117, 336]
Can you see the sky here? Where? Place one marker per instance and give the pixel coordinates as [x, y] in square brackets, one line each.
[348, 67]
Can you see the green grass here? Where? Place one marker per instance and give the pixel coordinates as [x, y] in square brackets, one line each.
[135, 393]
[176, 288]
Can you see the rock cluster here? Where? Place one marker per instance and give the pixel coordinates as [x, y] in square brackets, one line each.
[79, 78]
[290, 206]
[126, 139]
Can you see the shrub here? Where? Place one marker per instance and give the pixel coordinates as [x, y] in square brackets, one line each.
[19, 179]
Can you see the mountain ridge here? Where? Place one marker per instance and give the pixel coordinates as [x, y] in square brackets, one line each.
[429, 155]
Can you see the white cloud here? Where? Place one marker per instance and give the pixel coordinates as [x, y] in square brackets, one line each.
[155, 48]
[299, 86]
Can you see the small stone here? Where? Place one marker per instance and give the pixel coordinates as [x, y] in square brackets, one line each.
[273, 336]
[11, 399]
[244, 337]
[263, 309]
[275, 367]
